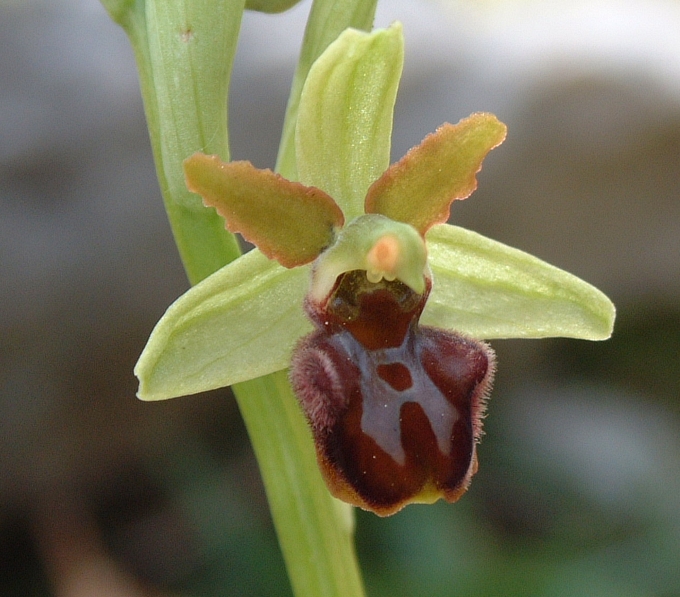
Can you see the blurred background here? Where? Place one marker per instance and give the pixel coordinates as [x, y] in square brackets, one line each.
[578, 491]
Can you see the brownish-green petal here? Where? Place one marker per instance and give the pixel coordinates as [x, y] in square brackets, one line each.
[420, 188]
[288, 221]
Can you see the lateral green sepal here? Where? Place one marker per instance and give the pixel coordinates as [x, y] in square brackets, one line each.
[488, 290]
[238, 324]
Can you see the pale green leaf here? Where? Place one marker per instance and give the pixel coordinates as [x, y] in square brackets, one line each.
[486, 289]
[120, 11]
[191, 48]
[184, 55]
[344, 122]
[240, 323]
[419, 188]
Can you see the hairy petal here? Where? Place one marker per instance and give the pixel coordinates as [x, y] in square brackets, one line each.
[287, 221]
[420, 188]
[344, 125]
[240, 323]
[489, 290]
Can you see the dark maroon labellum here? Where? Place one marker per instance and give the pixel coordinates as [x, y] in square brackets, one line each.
[395, 408]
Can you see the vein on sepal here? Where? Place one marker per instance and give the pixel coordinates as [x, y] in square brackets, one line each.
[488, 290]
[240, 323]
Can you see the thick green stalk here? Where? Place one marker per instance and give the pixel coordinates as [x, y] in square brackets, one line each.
[315, 530]
[184, 51]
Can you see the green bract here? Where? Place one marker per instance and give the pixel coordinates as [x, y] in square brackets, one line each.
[244, 320]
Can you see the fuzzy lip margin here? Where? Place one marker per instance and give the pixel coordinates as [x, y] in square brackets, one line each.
[365, 458]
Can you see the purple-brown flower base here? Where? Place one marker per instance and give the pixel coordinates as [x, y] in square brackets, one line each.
[395, 409]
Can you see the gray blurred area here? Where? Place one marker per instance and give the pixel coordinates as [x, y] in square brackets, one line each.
[579, 482]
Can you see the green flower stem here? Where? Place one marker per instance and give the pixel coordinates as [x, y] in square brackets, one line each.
[184, 51]
[315, 530]
[184, 57]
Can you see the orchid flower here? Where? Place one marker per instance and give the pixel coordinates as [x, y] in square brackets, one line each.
[351, 259]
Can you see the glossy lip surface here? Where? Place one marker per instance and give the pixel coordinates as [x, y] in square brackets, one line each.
[395, 408]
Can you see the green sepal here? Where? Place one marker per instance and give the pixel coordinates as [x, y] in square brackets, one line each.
[488, 290]
[353, 249]
[287, 221]
[344, 124]
[238, 324]
[419, 188]
[270, 6]
[327, 20]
